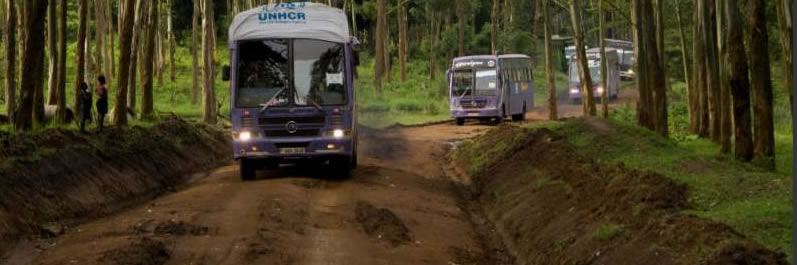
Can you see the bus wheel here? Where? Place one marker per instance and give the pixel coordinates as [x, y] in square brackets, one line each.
[341, 167]
[460, 121]
[521, 116]
[354, 160]
[248, 170]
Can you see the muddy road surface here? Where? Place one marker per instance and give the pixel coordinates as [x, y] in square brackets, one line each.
[398, 208]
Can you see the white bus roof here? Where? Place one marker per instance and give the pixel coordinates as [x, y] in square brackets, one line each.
[300, 20]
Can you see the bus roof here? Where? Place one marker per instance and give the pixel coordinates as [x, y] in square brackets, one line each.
[514, 56]
[300, 20]
[493, 57]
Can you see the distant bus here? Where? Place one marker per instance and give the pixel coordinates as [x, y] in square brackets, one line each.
[594, 62]
[292, 87]
[625, 54]
[487, 87]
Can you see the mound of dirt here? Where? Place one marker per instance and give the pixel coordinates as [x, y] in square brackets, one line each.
[553, 206]
[382, 223]
[171, 227]
[142, 252]
[63, 177]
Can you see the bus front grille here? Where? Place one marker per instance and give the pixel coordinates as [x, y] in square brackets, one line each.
[298, 133]
[336, 120]
[247, 122]
[298, 120]
[473, 104]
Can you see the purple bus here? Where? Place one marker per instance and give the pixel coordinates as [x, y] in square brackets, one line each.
[292, 88]
[487, 87]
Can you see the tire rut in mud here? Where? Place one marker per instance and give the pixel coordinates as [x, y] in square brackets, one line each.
[382, 224]
[144, 251]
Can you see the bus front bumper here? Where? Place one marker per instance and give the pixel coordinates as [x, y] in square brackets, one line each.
[475, 113]
[282, 149]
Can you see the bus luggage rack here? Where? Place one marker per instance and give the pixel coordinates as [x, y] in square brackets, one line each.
[298, 133]
[298, 120]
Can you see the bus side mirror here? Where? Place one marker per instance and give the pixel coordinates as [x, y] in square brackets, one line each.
[225, 73]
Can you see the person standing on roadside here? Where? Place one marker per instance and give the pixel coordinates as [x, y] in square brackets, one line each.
[85, 106]
[102, 101]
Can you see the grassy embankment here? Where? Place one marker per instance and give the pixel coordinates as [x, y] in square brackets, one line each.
[755, 202]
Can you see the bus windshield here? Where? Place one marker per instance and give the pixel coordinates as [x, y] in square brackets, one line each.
[265, 76]
[319, 72]
[262, 73]
[594, 73]
[478, 83]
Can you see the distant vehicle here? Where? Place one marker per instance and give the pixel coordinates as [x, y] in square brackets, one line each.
[292, 87]
[488, 87]
[625, 54]
[594, 62]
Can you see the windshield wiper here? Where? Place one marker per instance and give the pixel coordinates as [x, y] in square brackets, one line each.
[268, 103]
[464, 93]
[316, 105]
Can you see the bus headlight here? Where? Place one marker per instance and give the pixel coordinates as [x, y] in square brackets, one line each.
[599, 90]
[573, 91]
[338, 133]
[245, 136]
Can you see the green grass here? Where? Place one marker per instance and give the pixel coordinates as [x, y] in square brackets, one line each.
[169, 96]
[419, 99]
[607, 232]
[755, 202]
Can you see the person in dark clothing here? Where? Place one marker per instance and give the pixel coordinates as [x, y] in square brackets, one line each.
[102, 101]
[85, 106]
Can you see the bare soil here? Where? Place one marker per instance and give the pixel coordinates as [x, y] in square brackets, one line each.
[407, 203]
[398, 208]
[552, 206]
[55, 179]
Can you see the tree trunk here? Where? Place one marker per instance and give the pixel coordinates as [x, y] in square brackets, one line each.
[764, 150]
[148, 24]
[379, 53]
[738, 82]
[587, 100]
[52, 50]
[712, 81]
[549, 71]
[700, 71]
[387, 54]
[172, 41]
[32, 61]
[194, 53]
[10, 59]
[112, 47]
[125, 44]
[402, 51]
[80, 51]
[461, 40]
[60, 112]
[655, 80]
[786, 40]
[494, 24]
[685, 61]
[726, 124]
[99, 33]
[209, 93]
[604, 64]
[141, 9]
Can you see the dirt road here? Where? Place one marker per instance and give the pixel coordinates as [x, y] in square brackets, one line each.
[398, 208]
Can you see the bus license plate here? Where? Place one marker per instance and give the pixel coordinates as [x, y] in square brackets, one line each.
[473, 114]
[292, 151]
